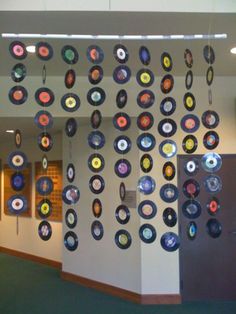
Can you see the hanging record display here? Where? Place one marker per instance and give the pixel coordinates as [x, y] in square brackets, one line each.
[70, 102]
[43, 119]
[18, 138]
[121, 121]
[120, 53]
[167, 127]
[170, 241]
[122, 168]
[17, 204]
[191, 230]
[69, 54]
[210, 119]
[97, 230]
[146, 163]
[145, 99]
[169, 217]
[144, 55]
[44, 51]
[166, 61]
[96, 162]
[121, 74]
[97, 208]
[70, 78]
[44, 208]
[168, 149]
[145, 77]
[190, 123]
[95, 54]
[96, 96]
[70, 194]
[44, 162]
[188, 58]
[122, 214]
[121, 98]
[211, 162]
[189, 79]
[44, 74]
[209, 54]
[145, 121]
[211, 140]
[189, 101]
[44, 185]
[96, 119]
[18, 50]
[45, 230]
[18, 72]
[96, 184]
[213, 205]
[209, 75]
[146, 185]
[71, 127]
[44, 97]
[191, 209]
[168, 106]
[167, 84]
[45, 141]
[71, 218]
[214, 228]
[95, 74]
[70, 172]
[123, 239]
[189, 144]
[213, 184]
[17, 181]
[122, 191]
[168, 170]
[191, 188]
[191, 167]
[146, 142]
[209, 96]
[169, 193]
[147, 233]
[18, 95]
[71, 241]
[96, 139]
[147, 209]
[122, 144]
[17, 160]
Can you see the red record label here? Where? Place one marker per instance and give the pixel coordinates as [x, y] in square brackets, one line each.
[44, 97]
[121, 122]
[18, 94]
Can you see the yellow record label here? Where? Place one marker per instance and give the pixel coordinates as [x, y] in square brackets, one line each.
[189, 101]
[145, 78]
[70, 102]
[44, 208]
[146, 163]
[189, 144]
[166, 62]
[167, 148]
[96, 163]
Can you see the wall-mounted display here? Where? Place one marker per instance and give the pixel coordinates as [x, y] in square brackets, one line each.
[45, 141]
[122, 168]
[18, 72]
[43, 120]
[44, 96]
[169, 193]
[95, 74]
[145, 99]
[17, 204]
[97, 230]
[146, 163]
[71, 218]
[121, 121]
[96, 139]
[121, 74]
[191, 209]
[191, 167]
[96, 119]
[167, 127]
[190, 123]
[96, 96]
[44, 208]
[170, 241]
[147, 209]
[169, 217]
[146, 185]
[71, 127]
[211, 140]
[210, 119]
[44, 51]
[191, 188]
[121, 53]
[189, 144]
[168, 170]
[189, 101]
[70, 102]
[95, 54]
[123, 239]
[145, 77]
[18, 95]
[168, 148]
[96, 184]
[121, 98]
[96, 162]
[97, 207]
[211, 162]
[168, 106]
[45, 230]
[70, 78]
[122, 144]
[146, 142]
[144, 55]
[147, 233]
[69, 54]
[122, 214]
[18, 50]
[167, 83]
[71, 241]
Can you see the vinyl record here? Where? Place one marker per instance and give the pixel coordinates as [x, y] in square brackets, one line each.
[70, 127]
[96, 139]
[45, 230]
[71, 241]
[169, 193]
[17, 160]
[168, 170]
[145, 77]
[166, 61]
[97, 230]
[44, 51]
[18, 95]
[122, 191]
[121, 121]
[17, 204]
[214, 228]
[96, 184]
[170, 241]
[96, 162]
[18, 138]
[70, 194]
[189, 79]
[95, 54]
[191, 209]
[17, 181]
[44, 74]
[71, 218]
[210, 119]
[209, 75]
[123, 239]
[144, 55]
[44, 97]
[168, 106]
[122, 214]
[167, 127]
[44, 208]
[167, 83]
[96, 119]
[146, 163]
[70, 78]
[43, 119]
[211, 162]
[191, 167]
[145, 121]
[189, 101]
[18, 50]
[70, 172]
[121, 98]
[69, 54]
[191, 188]
[121, 74]
[189, 144]
[191, 230]
[169, 217]
[95, 74]
[188, 58]
[146, 142]
[18, 72]
[213, 184]
[147, 209]
[44, 185]
[97, 208]
[146, 185]
[45, 141]
[167, 148]
[145, 99]
[44, 162]
[122, 144]
[209, 54]
[147, 233]
[96, 96]
[213, 206]
[70, 102]
[122, 168]
[190, 123]
[211, 140]
[209, 96]
[120, 53]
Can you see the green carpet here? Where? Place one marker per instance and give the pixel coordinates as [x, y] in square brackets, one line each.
[30, 288]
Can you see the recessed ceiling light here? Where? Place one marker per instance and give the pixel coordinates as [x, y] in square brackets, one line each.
[233, 50]
[31, 49]
[10, 131]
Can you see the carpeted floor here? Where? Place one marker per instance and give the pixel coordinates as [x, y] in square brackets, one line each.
[30, 288]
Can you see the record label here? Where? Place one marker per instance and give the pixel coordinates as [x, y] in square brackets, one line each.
[145, 77]
[95, 54]
[213, 206]
[144, 55]
[44, 97]
[96, 162]
[147, 233]
[122, 74]
[96, 184]
[69, 54]
[71, 218]
[168, 106]
[45, 230]
[146, 185]
[121, 53]
[45, 141]
[168, 170]
[122, 214]
[167, 84]
[191, 167]
[122, 168]
[147, 209]
[121, 121]
[97, 208]
[70, 78]
[146, 163]
[146, 142]
[123, 239]
[95, 74]
[211, 140]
